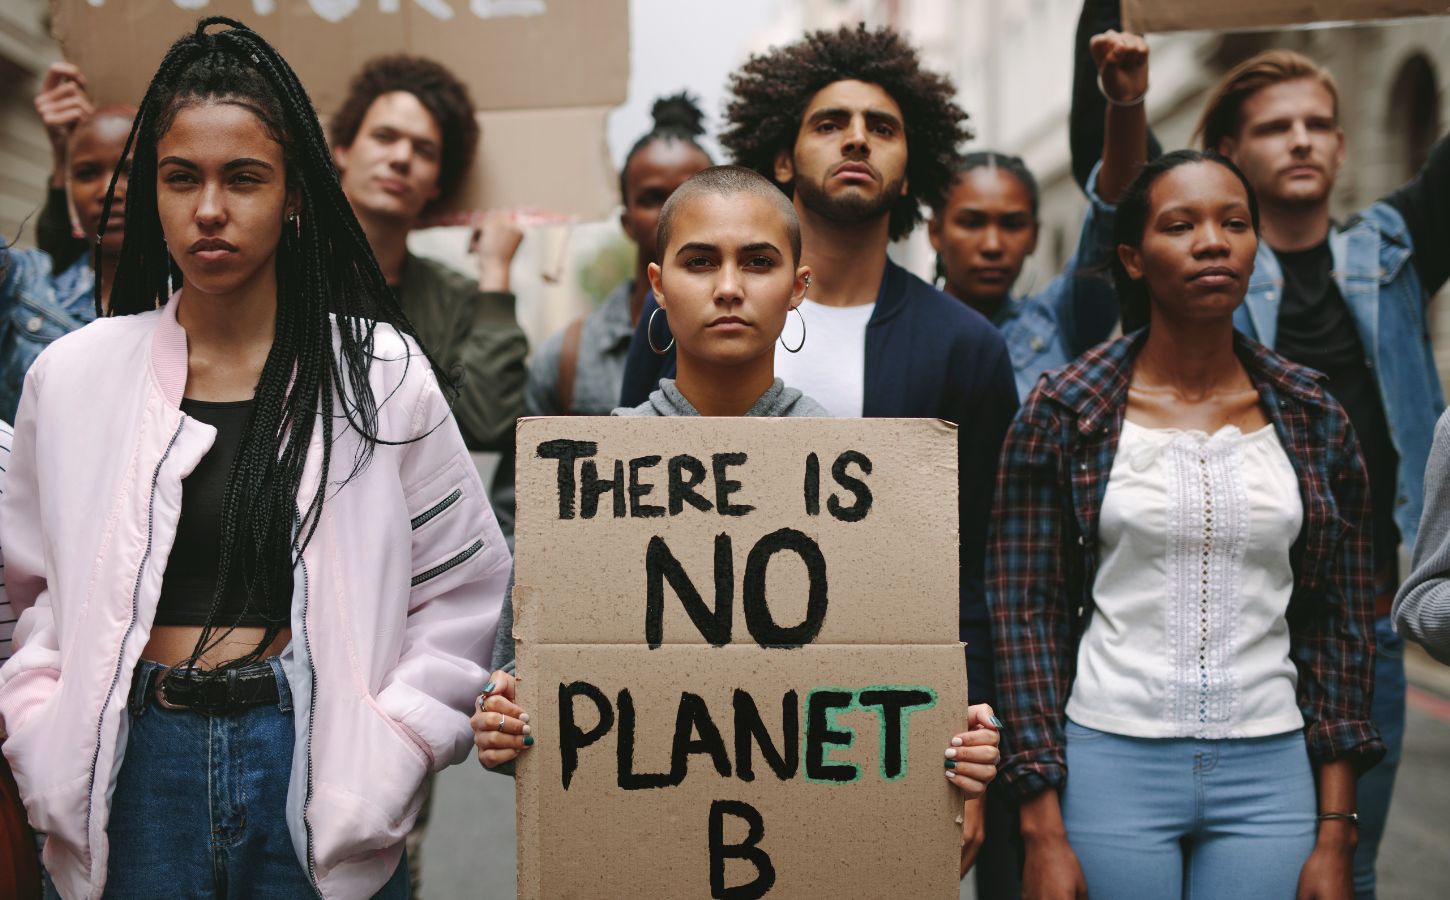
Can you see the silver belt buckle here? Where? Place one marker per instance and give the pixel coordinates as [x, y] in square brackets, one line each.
[160, 692]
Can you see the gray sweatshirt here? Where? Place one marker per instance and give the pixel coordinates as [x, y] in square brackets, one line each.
[777, 401]
[1422, 606]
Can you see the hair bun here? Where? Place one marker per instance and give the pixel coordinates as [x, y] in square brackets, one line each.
[679, 112]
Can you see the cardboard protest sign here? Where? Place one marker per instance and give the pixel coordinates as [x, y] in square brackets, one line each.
[738, 647]
[542, 73]
[1144, 16]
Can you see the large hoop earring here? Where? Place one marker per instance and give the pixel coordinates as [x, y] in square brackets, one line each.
[649, 332]
[797, 347]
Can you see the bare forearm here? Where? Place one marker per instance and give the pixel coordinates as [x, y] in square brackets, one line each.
[1125, 149]
[1123, 79]
[1042, 818]
[1336, 786]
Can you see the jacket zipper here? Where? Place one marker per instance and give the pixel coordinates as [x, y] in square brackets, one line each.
[448, 564]
[431, 513]
[130, 627]
[311, 718]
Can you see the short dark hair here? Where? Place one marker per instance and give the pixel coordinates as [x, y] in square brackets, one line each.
[440, 92]
[1131, 221]
[769, 95]
[726, 180]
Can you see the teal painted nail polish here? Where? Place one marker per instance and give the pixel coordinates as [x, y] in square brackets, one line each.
[488, 688]
[996, 723]
[528, 740]
[951, 764]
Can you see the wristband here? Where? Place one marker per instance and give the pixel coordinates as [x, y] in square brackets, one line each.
[1136, 101]
[1352, 818]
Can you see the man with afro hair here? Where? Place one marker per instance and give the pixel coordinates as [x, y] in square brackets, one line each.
[851, 127]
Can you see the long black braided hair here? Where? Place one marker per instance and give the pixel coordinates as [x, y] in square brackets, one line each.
[327, 280]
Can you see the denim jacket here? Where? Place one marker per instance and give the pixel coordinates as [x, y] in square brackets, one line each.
[1075, 312]
[36, 307]
[1374, 269]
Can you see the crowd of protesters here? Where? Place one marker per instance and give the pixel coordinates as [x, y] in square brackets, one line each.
[257, 587]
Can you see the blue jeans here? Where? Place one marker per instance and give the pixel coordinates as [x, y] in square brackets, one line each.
[1376, 785]
[199, 806]
[1177, 818]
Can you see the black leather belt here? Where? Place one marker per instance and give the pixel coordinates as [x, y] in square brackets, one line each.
[213, 692]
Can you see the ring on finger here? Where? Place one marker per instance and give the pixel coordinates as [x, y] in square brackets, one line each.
[480, 701]
[501, 718]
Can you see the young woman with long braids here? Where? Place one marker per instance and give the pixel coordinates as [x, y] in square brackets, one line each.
[259, 566]
[1182, 585]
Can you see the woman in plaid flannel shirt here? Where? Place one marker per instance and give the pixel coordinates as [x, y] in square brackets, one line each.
[1181, 585]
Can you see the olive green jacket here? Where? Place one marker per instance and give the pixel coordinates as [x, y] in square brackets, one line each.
[476, 339]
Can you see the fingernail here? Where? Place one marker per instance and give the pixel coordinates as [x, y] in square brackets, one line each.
[488, 688]
[527, 729]
[951, 774]
[956, 742]
[951, 764]
[524, 717]
[951, 752]
[996, 723]
[528, 740]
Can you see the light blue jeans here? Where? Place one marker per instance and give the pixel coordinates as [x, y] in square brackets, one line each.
[199, 806]
[1184, 818]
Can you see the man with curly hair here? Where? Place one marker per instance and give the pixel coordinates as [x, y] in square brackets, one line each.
[403, 140]
[861, 137]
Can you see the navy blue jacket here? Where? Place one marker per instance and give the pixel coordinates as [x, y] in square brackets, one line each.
[927, 356]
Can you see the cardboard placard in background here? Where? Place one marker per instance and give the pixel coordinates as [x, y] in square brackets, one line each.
[1146, 16]
[738, 643]
[543, 74]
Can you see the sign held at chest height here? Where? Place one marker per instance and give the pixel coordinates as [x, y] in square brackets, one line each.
[739, 649]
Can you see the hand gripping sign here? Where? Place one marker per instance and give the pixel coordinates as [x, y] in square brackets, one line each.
[738, 645]
[543, 74]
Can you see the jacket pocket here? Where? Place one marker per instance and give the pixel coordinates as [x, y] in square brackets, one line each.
[52, 785]
[370, 796]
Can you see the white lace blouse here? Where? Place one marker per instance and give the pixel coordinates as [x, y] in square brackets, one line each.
[1189, 638]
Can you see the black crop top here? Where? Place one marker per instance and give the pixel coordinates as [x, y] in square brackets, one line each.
[190, 578]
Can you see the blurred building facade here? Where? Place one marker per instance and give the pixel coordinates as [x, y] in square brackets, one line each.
[1013, 63]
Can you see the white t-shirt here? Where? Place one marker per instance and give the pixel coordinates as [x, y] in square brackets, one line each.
[831, 367]
[1189, 637]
